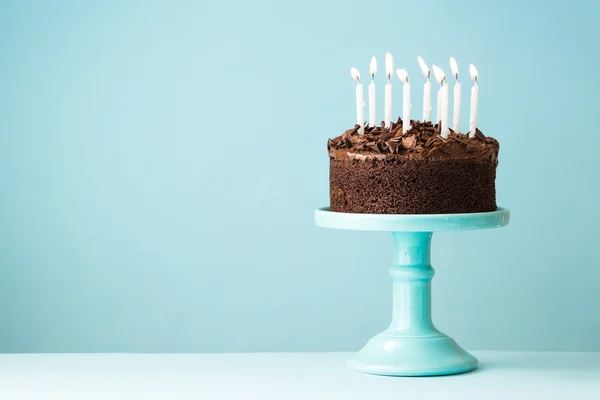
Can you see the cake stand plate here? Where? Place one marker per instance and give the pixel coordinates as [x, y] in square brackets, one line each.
[411, 345]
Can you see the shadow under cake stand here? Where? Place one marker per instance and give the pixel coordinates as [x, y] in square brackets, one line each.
[411, 345]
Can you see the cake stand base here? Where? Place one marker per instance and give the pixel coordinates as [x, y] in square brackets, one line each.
[386, 354]
[411, 345]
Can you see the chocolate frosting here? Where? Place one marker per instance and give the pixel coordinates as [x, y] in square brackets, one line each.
[422, 141]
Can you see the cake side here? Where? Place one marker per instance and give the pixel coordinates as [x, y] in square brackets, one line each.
[387, 172]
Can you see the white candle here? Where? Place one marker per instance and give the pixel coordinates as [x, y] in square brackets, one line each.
[389, 70]
[360, 101]
[403, 76]
[372, 107]
[474, 101]
[442, 114]
[426, 90]
[457, 95]
[445, 130]
[438, 109]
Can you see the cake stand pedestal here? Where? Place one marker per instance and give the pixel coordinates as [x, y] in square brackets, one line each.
[411, 345]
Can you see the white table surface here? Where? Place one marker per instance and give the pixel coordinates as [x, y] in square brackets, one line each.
[501, 375]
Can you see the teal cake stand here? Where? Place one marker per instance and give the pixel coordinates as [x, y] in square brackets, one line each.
[411, 345]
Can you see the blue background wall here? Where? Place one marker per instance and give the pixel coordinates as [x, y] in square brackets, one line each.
[160, 161]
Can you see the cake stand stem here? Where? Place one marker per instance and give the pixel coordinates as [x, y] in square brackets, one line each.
[411, 345]
[411, 273]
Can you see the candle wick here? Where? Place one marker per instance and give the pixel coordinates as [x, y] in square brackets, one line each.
[456, 77]
[373, 78]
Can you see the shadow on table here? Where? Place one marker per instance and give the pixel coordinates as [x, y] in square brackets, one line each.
[582, 362]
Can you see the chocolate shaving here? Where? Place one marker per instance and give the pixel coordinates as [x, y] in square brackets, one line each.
[330, 143]
[479, 135]
[373, 146]
[422, 137]
[460, 140]
[386, 136]
[431, 141]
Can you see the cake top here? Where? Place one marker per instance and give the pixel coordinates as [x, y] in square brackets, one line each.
[421, 141]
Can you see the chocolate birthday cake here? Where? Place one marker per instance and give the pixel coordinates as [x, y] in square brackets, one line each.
[385, 171]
